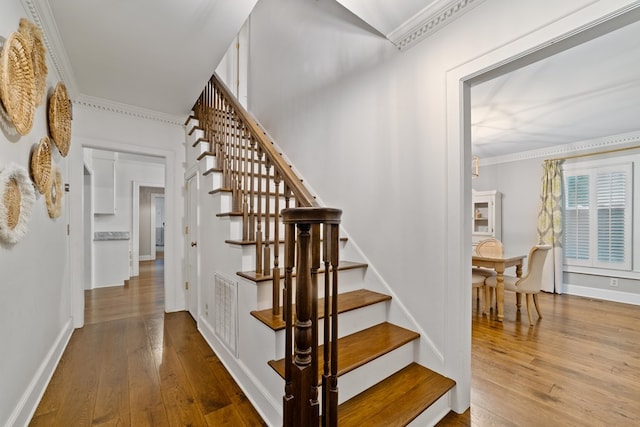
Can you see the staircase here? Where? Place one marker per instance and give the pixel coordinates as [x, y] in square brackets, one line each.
[380, 383]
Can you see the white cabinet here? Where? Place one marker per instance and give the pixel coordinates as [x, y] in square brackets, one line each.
[487, 216]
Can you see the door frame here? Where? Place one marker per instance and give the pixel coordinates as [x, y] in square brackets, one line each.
[192, 253]
[154, 212]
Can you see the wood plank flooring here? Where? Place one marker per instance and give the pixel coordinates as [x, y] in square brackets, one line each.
[133, 365]
[577, 366]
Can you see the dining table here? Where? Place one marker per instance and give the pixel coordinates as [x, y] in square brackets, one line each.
[499, 264]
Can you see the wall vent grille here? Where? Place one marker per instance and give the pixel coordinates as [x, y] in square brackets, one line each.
[226, 312]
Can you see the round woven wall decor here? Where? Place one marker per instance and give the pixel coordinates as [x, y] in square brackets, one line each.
[17, 197]
[54, 195]
[60, 119]
[41, 165]
[38, 57]
[17, 83]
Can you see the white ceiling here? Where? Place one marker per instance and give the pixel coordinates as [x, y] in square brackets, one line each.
[156, 55]
[587, 92]
[150, 54]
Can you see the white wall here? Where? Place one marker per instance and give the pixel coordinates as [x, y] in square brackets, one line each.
[35, 310]
[379, 133]
[519, 182]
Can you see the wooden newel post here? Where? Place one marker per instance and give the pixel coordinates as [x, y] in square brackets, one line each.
[301, 405]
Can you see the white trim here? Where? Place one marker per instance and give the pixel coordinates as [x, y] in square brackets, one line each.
[429, 20]
[26, 407]
[153, 225]
[608, 142]
[41, 14]
[135, 228]
[602, 294]
[127, 110]
[594, 271]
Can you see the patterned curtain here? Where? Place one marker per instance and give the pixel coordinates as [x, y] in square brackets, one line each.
[550, 224]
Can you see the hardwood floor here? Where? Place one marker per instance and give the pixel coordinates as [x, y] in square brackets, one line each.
[133, 365]
[577, 366]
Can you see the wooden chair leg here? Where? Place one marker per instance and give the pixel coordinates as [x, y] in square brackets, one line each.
[477, 294]
[518, 300]
[486, 303]
[529, 309]
[535, 302]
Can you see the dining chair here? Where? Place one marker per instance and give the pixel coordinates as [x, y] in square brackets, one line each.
[529, 284]
[489, 248]
[477, 283]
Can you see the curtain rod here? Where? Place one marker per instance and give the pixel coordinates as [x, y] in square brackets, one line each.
[613, 150]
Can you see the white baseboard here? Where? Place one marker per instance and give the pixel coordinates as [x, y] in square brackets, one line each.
[30, 399]
[603, 294]
[146, 258]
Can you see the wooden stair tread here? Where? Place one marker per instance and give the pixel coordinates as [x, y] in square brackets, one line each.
[361, 347]
[259, 277]
[346, 302]
[397, 400]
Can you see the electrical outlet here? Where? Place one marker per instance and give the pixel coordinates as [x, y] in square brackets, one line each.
[614, 282]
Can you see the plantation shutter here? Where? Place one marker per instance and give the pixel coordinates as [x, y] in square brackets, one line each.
[597, 217]
[613, 211]
[577, 214]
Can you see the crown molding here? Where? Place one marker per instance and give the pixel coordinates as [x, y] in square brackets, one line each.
[41, 14]
[565, 150]
[127, 110]
[429, 20]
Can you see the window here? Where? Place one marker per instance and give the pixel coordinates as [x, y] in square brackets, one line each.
[597, 216]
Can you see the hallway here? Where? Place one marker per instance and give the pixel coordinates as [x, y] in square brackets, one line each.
[133, 365]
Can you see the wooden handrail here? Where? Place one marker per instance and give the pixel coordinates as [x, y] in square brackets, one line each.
[303, 197]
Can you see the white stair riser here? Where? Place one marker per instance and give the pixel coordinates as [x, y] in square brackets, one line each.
[208, 162]
[434, 413]
[348, 280]
[348, 323]
[369, 374]
[225, 203]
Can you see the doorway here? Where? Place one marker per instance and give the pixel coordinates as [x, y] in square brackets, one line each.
[459, 81]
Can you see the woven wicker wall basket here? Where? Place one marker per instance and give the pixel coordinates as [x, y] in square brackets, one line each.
[17, 82]
[38, 57]
[17, 197]
[54, 195]
[60, 119]
[41, 165]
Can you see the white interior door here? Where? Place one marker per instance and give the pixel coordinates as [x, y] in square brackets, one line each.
[192, 252]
